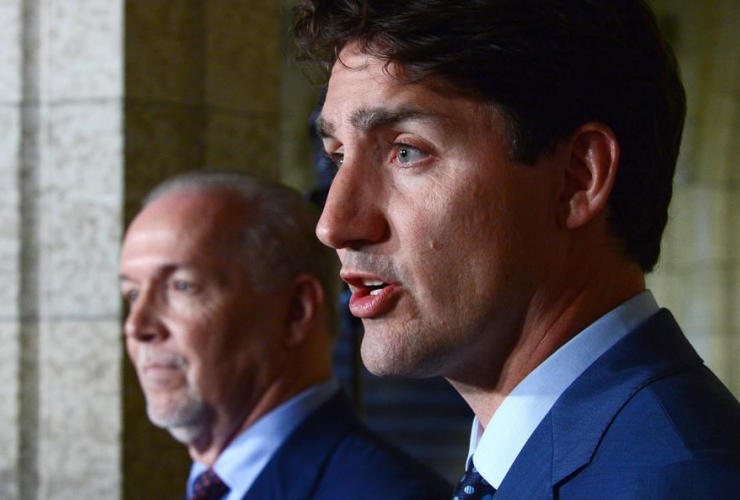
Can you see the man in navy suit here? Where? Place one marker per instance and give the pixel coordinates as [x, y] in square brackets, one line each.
[230, 327]
[504, 170]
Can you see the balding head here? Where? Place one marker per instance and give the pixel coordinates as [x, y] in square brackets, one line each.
[227, 316]
[277, 226]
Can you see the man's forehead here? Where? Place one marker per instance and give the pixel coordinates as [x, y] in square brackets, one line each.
[154, 267]
[354, 67]
[366, 93]
[185, 222]
[162, 253]
[191, 210]
[352, 57]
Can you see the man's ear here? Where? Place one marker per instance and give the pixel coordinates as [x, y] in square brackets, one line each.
[590, 171]
[306, 299]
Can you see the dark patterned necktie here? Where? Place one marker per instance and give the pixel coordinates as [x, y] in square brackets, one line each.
[208, 486]
[472, 486]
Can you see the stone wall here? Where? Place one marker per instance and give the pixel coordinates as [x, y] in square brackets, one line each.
[698, 277]
[61, 172]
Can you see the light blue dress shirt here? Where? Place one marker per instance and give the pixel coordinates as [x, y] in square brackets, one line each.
[242, 461]
[494, 450]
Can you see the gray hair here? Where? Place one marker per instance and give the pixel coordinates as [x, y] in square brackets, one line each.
[279, 234]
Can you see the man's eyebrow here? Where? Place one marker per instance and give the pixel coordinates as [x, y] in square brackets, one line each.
[163, 271]
[366, 119]
[324, 128]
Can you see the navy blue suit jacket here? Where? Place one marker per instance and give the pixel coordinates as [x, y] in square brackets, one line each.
[646, 421]
[332, 456]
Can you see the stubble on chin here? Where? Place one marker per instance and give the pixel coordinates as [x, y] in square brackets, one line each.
[400, 352]
[183, 413]
[186, 419]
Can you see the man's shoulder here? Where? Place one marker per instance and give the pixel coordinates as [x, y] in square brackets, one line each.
[636, 423]
[334, 456]
[376, 469]
[700, 409]
[680, 410]
[684, 415]
[695, 476]
[675, 438]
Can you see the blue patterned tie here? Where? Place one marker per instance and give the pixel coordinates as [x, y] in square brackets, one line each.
[472, 486]
[208, 486]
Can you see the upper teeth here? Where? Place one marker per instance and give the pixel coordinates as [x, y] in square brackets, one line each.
[372, 282]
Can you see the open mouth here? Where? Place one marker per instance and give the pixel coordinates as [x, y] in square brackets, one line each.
[374, 286]
[371, 297]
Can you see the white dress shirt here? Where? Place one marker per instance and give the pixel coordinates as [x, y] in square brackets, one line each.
[494, 450]
[242, 461]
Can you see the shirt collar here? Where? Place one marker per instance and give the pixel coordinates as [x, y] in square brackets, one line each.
[242, 461]
[494, 450]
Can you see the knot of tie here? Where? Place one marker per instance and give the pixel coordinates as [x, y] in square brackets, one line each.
[208, 486]
[472, 486]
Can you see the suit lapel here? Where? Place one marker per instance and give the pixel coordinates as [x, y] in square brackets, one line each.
[530, 476]
[566, 440]
[295, 469]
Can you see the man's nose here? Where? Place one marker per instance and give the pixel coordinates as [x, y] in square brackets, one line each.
[143, 322]
[353, 216]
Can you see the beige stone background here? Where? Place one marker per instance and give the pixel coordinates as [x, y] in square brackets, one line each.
[100, 99]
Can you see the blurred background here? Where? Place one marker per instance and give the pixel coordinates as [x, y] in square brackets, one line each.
[102, 99]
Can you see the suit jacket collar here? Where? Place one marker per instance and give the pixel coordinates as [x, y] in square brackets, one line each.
[565, 441]
[294, 470]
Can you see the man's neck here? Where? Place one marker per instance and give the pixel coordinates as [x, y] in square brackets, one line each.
[555, 316]
[227, 427]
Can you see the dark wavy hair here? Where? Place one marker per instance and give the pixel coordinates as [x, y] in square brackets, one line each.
[548, 66]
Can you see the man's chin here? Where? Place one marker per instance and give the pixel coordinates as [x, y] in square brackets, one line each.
[388, 363]
[187, 435]
[186, 423]
[185, 432]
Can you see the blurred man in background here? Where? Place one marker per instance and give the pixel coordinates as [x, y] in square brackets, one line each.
[231, 324]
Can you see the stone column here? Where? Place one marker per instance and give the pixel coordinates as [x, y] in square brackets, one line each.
[61, 166]
[11, 77]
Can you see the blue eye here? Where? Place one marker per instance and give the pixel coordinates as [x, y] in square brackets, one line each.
[130, 296]
[335, 159]
[406, 155]
[182, 286]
